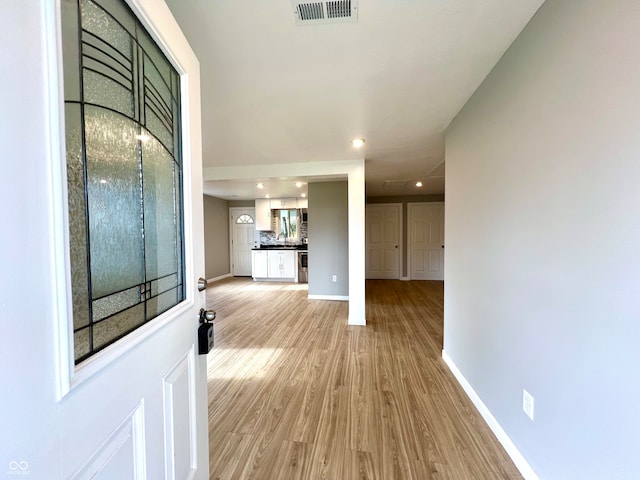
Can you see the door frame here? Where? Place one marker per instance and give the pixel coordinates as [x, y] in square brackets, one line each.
[233, 211]
[410, 206]
[400, 249]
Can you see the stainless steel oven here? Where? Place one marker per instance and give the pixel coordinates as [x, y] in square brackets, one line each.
[303, 272]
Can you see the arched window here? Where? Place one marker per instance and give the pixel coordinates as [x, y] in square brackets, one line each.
[244, 218]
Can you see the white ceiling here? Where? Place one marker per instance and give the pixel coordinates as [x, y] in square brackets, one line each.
[274, 92]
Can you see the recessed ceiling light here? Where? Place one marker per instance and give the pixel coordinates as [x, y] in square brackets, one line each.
[418, 184]
[267, 196]
[298, 184]
[358, 142]
[260, 185]
[303, 195]
[103, 181]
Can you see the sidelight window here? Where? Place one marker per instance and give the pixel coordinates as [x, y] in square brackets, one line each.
[124, 173]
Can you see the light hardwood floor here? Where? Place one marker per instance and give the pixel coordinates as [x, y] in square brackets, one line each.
[295, 393]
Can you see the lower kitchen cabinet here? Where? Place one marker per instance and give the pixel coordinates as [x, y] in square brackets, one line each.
[259, 264]
[282, 264]
[274, 264]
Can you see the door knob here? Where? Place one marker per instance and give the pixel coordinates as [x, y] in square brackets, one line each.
[202, 284]
[207, 316]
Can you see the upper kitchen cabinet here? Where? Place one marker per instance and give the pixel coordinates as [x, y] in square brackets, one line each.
[303, 202]
[263, 214]
[283, 203]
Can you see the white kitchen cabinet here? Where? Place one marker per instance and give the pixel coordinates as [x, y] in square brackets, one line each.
[303, 202]
[273, 264]
[263, 214]
[289, 264]
[284, 203]
[259, 264]
[282, 264]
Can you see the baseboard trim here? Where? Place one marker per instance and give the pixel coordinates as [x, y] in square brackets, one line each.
[405, 279]
[518, 459]
[216, 279]
[341, 298]
[360, 322]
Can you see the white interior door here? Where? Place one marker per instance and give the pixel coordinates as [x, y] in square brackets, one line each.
[138, 408]
[383, 237]
[243, 233]
[426, 240]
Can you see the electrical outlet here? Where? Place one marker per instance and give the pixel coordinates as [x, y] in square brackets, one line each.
[334, 278]
[527, 403]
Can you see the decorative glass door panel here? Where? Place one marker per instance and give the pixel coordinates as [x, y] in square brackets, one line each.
[124, 173]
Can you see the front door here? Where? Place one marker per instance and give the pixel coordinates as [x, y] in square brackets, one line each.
[138, 407]
[426, 240]
[383, 240]
[243, 231]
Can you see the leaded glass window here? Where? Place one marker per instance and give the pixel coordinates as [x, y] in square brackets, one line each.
[124, 169]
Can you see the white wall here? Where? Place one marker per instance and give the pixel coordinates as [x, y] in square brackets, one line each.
[542, 267]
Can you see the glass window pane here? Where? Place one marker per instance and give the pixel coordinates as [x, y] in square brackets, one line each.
[120, 12]
[105, 306]
[115, 202]
[77, 219]
[155, 55]
[163, 284]
[161, 303]
[159, 210]
[71, 50]
[102, 25]
[114, 327]
[101, 90]
[81, 346]
[158, 128]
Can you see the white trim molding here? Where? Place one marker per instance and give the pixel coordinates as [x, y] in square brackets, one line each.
[513, 452]
[341, 298]
[218, 278]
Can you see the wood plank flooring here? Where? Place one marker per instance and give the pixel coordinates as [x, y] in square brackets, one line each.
[295, 393]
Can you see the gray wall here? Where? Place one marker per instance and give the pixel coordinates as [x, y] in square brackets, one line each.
[404, 199]
[216, 236]
[328, 238]
[542, 267]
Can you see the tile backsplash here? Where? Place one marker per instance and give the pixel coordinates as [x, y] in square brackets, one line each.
[270, 238]
[267, 238]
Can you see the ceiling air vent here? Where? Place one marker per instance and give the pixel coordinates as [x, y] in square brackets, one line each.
[309, 13]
